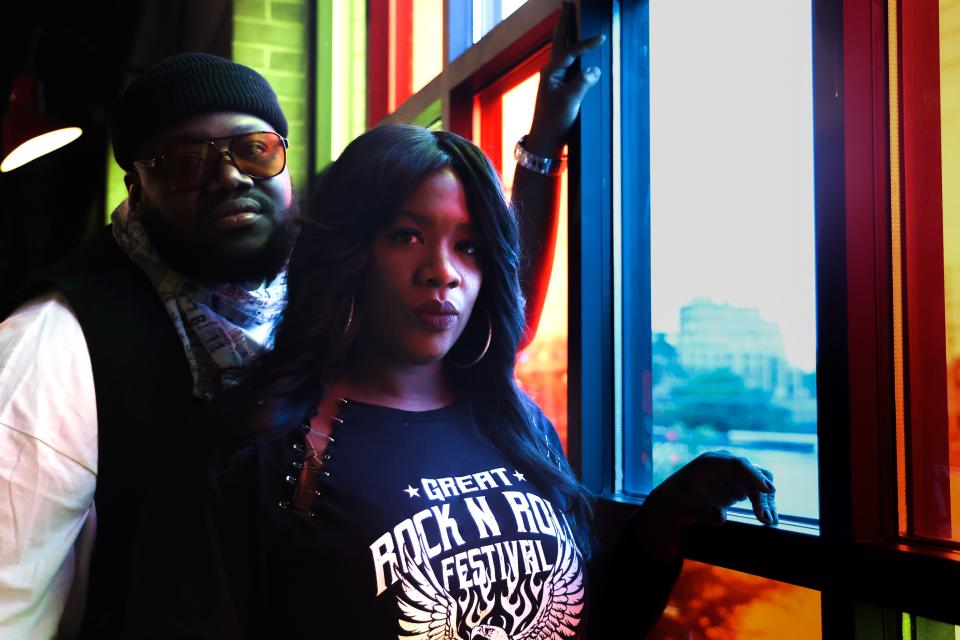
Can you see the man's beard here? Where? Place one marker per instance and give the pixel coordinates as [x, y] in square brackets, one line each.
[202, 260]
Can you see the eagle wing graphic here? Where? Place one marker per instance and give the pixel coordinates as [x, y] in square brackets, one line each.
[561, 599]
[430, 613]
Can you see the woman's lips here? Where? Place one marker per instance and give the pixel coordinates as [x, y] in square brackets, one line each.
[437, 314]
[439, 321]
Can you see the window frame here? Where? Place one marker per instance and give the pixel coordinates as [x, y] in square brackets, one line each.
[855, 350]
[857, 427]
[925, 425]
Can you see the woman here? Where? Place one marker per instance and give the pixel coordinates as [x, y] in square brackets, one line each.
[382, 475]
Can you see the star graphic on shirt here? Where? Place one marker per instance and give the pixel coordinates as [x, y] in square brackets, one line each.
[412, 492]
[518, 476]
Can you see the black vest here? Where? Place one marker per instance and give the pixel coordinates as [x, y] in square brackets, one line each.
[143, 394]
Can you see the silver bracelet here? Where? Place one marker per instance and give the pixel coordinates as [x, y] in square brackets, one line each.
[537, 164]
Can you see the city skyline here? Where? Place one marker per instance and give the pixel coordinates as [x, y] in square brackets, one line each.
[673, 337]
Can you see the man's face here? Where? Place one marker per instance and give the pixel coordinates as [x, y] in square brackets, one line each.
[232, 227]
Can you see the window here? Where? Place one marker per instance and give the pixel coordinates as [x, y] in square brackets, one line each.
[341, 79]
[928, 213]
[405, 51]
[841, 193]
[764, 248]
[949, 40]
[488, 13]
[920, 628]
[731, 240]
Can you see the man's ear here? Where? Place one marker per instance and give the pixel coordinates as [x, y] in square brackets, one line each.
[132, 181]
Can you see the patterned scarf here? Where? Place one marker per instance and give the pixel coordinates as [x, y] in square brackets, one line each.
[222, 327]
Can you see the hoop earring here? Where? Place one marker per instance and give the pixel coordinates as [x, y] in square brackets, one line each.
[486, 346]
[346, 329]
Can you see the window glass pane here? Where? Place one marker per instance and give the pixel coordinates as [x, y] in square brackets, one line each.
[488, 13]
[503, 113]
[732, 239]
[720, 604]
[431, 117]
[950, 153]
[926, 216]
[427, 44]
[918, 628]
[404, 52]
[341, 77]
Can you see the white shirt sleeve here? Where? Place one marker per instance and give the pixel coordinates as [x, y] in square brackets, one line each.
[48, 468]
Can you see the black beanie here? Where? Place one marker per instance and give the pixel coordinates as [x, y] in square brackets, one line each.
[186, 85]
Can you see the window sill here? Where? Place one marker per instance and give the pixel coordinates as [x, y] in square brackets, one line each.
[898, 576]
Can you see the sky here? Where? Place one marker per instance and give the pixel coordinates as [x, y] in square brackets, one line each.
[732, 214]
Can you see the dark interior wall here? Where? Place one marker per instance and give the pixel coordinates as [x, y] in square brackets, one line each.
[84, 53]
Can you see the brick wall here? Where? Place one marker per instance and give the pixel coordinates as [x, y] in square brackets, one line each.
[271, 36]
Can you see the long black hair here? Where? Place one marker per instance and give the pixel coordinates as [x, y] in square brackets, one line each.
[359, 196]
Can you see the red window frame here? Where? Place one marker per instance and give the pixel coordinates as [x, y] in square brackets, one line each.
[926, 422]
[389, 56]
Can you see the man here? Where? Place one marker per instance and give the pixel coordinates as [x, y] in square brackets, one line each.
[125, 338]
[104, 357]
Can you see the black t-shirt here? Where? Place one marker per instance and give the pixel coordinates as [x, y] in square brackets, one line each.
[421, 529]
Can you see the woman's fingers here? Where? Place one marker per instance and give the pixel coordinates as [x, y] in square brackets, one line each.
[703, 489]
[758, 484]
[566, 29]
[735, 478]
[765, 508]
[562, 86]
[561, 59]
[769, 498]
[767, 475]
[581, 83]
[580, 47]
[763, 499]
[566, 48]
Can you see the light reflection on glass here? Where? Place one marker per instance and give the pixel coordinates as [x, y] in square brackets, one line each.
[709, 602]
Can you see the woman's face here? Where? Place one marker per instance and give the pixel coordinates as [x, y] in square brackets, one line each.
[424, 275]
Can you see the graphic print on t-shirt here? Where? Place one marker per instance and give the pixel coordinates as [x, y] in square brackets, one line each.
[487, 559]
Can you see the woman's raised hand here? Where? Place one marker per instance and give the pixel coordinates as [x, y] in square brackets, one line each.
[561, 86]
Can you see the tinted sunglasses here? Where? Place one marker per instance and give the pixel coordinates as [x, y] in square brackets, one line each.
[188, 165]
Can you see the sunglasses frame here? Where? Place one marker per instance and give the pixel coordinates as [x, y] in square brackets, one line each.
[221, 153]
